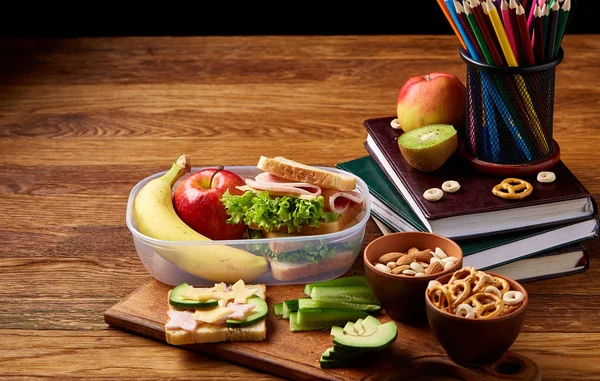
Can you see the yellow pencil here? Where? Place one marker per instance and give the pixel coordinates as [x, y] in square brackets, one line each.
[492, 12]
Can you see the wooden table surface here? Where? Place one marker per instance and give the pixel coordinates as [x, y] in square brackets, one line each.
[83, 120]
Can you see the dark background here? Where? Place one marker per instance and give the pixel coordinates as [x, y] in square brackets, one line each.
[248, 18]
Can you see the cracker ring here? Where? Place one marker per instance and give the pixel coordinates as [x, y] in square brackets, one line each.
[512, 189]
[450, 186]
[513, 297]
[465, 310]
[433, 194]
[546, 177]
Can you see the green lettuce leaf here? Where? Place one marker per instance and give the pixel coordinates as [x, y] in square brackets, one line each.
[267, 213]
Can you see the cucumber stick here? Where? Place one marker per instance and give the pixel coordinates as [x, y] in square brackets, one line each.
[356, 280]
[304, 303]
[350, 294]
[327, 317]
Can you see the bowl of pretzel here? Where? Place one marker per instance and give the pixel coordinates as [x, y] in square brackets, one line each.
[475, 315]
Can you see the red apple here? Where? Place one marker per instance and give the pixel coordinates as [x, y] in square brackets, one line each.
[435, 98]
[197, 201]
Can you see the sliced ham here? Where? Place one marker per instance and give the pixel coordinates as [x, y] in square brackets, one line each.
[278, 186]
[337, 201]
[239, 310]
[181, 319]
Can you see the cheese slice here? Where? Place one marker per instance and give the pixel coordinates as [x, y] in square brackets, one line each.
[199, 294]
[211, 315]
[239, 293]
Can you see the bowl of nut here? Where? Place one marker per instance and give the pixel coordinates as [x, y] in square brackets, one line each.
[400, 265]
[475, 315]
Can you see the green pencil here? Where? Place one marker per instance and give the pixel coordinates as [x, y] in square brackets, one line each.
[563, 16]
[478, 35]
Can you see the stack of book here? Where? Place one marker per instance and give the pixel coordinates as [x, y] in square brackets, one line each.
[532, 238]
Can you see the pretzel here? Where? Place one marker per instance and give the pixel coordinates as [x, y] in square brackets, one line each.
[485, 305]
[440, 296]
[546, 177]
[459, 291]
[512, 189]
[474, 294]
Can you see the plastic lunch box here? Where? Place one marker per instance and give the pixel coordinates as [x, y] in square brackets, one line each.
[154, 252]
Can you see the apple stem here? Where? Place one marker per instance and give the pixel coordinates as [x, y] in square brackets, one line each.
[219, 169]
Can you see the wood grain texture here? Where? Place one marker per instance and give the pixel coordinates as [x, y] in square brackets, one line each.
[83, 120]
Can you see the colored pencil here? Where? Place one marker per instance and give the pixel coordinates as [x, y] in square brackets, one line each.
[534, 3]
[526, 51]
[492, 13]
[444, 9]
[545, 16]
[552, 30]
[538, 39]
[470, 44]
[508, 20]
[487, 55]
[486, 30]
[462, 17]
[562, 23]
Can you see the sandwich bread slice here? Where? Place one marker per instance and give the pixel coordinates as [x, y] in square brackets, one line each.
[214, 314]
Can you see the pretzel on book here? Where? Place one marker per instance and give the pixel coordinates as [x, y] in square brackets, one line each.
[513, 189]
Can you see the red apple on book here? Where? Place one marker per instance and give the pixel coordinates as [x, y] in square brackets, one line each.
[435, 98]
[197, 201]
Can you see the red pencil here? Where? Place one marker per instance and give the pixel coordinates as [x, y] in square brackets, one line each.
[508, 19]
[486, 30]
[525, 52]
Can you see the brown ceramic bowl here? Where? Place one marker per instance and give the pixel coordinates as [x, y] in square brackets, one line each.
[475, 341]
[401, 296]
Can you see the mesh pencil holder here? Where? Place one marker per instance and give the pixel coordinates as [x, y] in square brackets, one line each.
[508, 126]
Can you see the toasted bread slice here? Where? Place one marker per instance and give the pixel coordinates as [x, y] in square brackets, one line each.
[292, 170]
[211, 333]
[285, 271]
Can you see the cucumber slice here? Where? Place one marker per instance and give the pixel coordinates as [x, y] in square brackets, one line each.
[257, 314]
[322, 318]
[355, 280]
[327, 361]
[351, 294]
[278, 310]
[176, 300]
[304, 303]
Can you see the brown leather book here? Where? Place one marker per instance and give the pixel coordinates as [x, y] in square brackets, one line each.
[474, 210]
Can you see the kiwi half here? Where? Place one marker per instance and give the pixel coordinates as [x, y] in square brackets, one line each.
[427, 148]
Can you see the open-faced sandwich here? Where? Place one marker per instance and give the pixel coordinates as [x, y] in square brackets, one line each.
[219, 313]
[288, 200]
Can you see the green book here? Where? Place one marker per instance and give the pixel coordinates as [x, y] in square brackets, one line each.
[483, 252]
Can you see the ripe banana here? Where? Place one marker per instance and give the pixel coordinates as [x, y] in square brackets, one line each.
[156, 217]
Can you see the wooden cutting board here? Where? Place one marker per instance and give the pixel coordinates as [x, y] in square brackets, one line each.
[295, 355]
